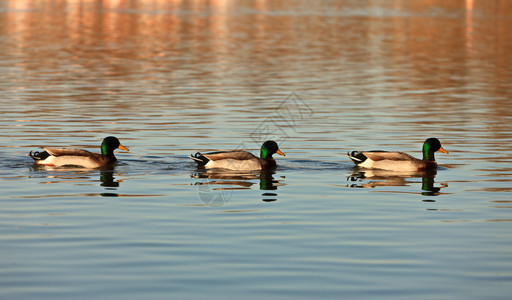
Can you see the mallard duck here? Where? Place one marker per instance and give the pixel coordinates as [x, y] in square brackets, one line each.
[239, 159]
[78, 157]
[398, 161]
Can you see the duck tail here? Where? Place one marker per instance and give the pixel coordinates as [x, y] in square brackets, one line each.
[199, 158]
[39, 155]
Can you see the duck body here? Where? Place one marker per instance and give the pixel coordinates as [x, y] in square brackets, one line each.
[393, 161]
[233, 160]
[239, 159]
[59, 157]
[398, 161]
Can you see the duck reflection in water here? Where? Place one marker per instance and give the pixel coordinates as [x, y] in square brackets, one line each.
[78, 174]
[377, 178]
[107, 178]
[109, 181]
[229, 180]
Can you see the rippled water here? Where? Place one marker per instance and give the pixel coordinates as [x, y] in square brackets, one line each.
[169, 78]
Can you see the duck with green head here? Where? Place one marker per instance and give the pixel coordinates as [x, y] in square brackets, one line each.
[78, 157]
[239, 159]
[398, 161]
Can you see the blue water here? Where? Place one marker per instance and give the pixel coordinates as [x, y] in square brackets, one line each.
[321, 78]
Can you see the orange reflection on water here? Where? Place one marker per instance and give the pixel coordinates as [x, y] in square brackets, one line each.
[413, 41]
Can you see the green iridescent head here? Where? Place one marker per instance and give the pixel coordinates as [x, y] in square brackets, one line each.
[268, 149]
[431, 146]
[109, 144]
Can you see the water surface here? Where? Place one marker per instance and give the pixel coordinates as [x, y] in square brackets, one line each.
[169, 78]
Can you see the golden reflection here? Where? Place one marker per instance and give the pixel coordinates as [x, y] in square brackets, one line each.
[112, 37]
[439, 54]
[469, 24]
[145, 29]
